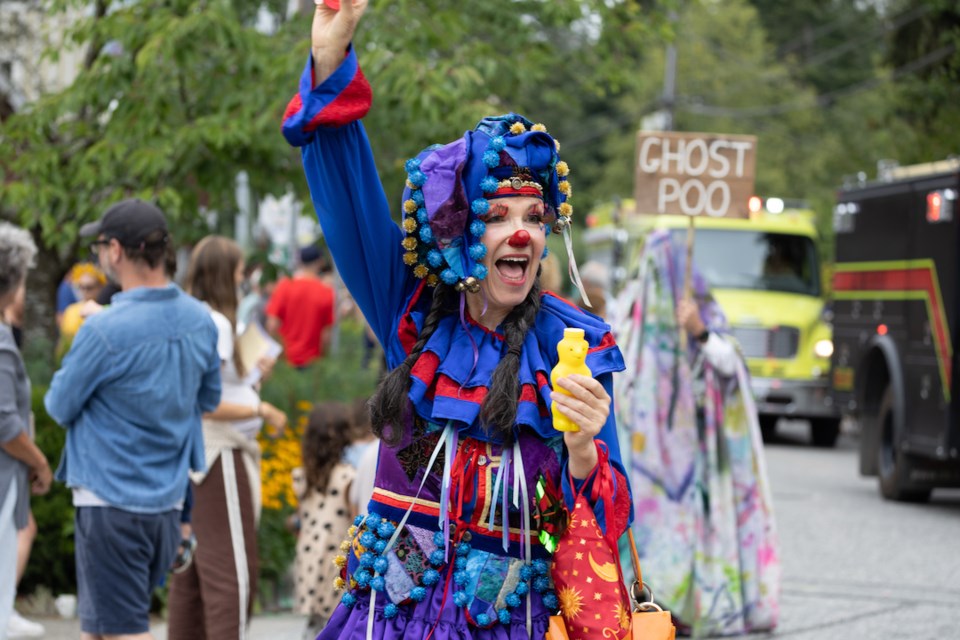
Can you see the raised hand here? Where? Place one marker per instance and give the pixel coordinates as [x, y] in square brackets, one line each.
[588, 407]
[332, 32]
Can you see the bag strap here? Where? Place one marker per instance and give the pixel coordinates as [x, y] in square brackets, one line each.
[642, 595]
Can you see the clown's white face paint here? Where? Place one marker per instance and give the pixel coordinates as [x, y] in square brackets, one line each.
[511, 269]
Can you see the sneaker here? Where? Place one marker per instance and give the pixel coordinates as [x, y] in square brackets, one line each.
[185, 554]
[20, 627]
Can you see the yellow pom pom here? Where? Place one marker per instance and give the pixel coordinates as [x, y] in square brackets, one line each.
[563, 170]
[410, 243]
[433, 280]
[340, 561]
[339, 583]
[565, 188]
[410, 185]
[410, 258]
[517, 128]
[352, 531]
[566, 210]
[539, 127]
[556, 143]
[420, 271]
[345, 546]
[409, 225]
[409, 206]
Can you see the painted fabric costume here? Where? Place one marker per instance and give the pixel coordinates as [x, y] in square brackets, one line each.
[433, 555]
[704, 520]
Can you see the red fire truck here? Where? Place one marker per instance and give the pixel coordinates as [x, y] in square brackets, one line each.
[896, 321]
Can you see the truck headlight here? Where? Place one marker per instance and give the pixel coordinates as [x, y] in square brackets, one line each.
[823, 348]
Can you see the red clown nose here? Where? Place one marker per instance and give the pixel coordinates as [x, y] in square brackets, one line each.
[519, 239]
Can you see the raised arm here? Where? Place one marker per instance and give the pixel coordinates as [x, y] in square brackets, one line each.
[323, 119]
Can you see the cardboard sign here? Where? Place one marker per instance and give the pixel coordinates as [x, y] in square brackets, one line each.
[694, 174]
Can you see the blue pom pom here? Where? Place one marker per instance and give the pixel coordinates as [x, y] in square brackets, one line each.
[435, 259]
[367, 539]
[438, 536]
[461, 563]
[488, 184]
[483, 620]
[431, 577]
[545, 253]
[358, 521]
[437, 558]
[366, 560]
[422, 215]
[426, 234]
[380, 565]
[362, 577]
[348, 600]
[417, 197]
[479, 272]
[512, 600]
[460, 577]
[418, 178]
[417, 594]
[412, 165]
[490, 158]
[522, 589]
[540, 567]
[460, 599]
[373, 520]
[378, 584]
[550, 601]
[480, 206]
[386, 529]
[380, 546]
[449, 277]
[526, 572]
[477, 251]
[478, 228]
[541, 583]
[498, 143]
[463, 549]
[503, 615]
[390, 611]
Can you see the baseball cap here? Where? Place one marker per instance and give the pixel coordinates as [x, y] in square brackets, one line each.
[129, 221]
[310, 253]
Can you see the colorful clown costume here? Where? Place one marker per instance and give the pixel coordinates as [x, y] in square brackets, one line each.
[462, 524]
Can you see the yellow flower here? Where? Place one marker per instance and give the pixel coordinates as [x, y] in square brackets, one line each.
[517, 128]
[409, 243]
[562, 169]
[409, 225]
[304, 406]
[421, 271]
[410, 258]
[565, 188]
[539, 127]
[566, 210]
[409, 206]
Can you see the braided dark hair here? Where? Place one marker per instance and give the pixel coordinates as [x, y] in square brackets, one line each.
[389, 401]
[499, 409]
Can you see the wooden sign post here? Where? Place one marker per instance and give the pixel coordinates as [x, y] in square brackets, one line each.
[694, 174]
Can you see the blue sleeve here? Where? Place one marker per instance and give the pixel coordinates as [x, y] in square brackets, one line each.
[608, 435]
[65, 296]
[79, 376]
[208, 396]
[353, 211]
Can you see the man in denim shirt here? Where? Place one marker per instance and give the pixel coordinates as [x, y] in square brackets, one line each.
[130, 393]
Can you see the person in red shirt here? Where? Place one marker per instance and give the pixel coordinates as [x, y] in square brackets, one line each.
[301, 310]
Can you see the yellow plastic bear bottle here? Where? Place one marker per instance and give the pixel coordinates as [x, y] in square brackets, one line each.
[572, 354]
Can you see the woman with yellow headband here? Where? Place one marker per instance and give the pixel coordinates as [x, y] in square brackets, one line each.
[88, 280]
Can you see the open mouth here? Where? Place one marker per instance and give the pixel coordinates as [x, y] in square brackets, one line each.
[512, 269]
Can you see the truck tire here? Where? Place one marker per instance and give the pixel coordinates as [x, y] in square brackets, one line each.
[893, 465]
[824, 432]
[768, 427]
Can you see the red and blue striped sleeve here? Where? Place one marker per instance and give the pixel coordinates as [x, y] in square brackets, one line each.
[342, 98]
[347, 194]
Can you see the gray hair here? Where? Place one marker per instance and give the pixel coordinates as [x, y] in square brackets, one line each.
[17, 251]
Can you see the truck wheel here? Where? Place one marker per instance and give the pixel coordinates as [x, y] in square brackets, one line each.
[893, 465]
[824, 432]
[768, 427]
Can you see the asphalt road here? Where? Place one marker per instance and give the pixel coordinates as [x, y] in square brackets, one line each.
[855, 567]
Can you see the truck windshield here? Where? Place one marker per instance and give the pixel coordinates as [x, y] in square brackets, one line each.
[734, 259]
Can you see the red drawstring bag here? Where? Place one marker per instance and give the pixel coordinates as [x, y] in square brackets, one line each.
[586, 565]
